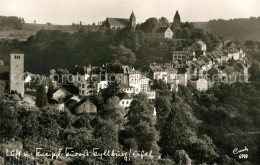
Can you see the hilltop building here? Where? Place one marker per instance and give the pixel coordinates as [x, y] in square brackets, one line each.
[115, 23]
[166, 31]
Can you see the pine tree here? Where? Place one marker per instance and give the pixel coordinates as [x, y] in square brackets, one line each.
[172, 134]
[141, 124]
[41, 96]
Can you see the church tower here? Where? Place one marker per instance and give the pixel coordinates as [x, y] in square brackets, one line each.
[132, 20]
[16, 77]
[177, 17]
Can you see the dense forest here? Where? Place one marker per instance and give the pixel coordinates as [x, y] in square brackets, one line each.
[241, 29]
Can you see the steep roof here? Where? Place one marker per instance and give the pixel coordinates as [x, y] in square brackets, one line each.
[132, 15]
[83, 101]
[124, 96]
[118, 21]
[71, 88]
[205, 59]
[200, 43]
[238, 66]
[229, 70]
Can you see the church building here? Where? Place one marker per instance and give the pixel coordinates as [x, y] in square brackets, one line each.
[115, 23]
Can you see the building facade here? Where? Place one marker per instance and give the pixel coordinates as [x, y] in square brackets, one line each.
[16, 77]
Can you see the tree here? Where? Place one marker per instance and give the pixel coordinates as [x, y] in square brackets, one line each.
[106, 136]
[111, 90]
[9, 124]
[122, 55]
[159, 84]
[113, 111]
[140, 110]
[41, 96]
[163, 21]
[149, 24]
[50, 92]
[146, 137]
[163, 105]
[61, 75]
[173, 133]
[179, 33]
[31, 123]
[186, 33]
[141, 124]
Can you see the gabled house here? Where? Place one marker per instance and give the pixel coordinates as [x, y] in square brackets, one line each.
[207, 61]
[199, 46]
[126, 88]
[125, 100]
[60, 94]
[233, 53]
[85, 107]
[230, 74]
[214, 74]
[166, 31]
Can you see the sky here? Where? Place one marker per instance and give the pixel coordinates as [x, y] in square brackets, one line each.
[66, 12]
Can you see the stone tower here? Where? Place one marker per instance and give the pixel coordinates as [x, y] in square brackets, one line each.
[16, 77]
[132, 20]
[177, 17]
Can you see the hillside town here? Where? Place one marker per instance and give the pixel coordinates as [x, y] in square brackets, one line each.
[194, 66]
[162, 88]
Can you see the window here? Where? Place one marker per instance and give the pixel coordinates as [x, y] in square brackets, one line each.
[83, 85]
[126, 102]
[122, 102]
[78, 78]
[83, 92]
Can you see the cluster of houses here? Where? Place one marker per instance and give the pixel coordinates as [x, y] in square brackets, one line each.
[194, 66]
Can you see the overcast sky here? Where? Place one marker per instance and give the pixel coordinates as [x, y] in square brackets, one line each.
[89, 11]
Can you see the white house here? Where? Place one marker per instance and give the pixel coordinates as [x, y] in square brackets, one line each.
[202, 45]
[134, 80]
[60, 94]
[233, 53]
[125, 100]
[168, 33]
[202, 84]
